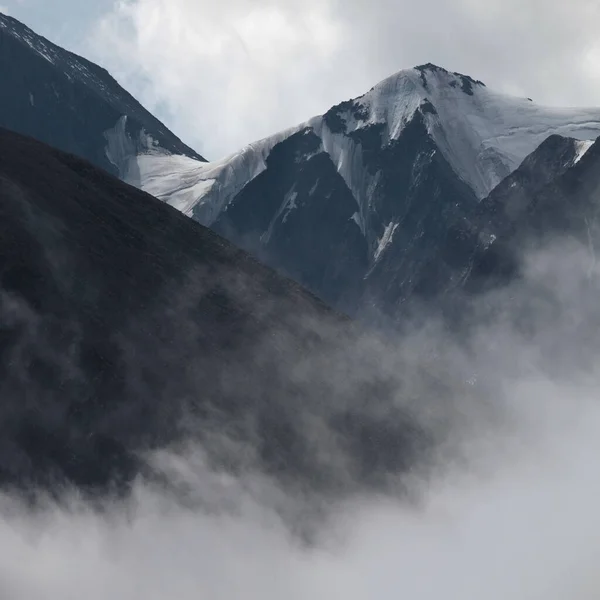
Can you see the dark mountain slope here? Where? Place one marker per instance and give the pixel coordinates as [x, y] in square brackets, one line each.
[317, 236]
[554, 194]
[471, 245]
[126, 326]
[540, 235]
[72, 104]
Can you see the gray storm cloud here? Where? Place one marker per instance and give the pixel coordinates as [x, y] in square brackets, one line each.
[223, 74]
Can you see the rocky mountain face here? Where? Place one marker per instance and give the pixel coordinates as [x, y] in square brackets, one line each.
[502, 219]
[554, 194]
[368, 204]
[72, 104]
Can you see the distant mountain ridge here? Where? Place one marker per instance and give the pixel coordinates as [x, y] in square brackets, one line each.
[72, 104]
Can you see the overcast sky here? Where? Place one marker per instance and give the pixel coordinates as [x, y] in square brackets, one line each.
[222, 73]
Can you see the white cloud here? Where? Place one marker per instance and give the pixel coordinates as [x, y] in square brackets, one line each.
[528, 530]
[225, 73]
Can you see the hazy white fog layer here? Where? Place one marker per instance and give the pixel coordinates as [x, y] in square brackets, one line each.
[510, 511]
[529, 531]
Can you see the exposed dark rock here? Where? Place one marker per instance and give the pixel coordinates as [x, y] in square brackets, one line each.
[67, 101]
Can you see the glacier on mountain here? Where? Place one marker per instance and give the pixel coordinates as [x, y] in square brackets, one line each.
[483, 134]
[203, 187]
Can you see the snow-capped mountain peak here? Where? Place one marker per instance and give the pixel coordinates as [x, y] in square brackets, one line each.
[373, 203]
[394, 101]
[482, 133]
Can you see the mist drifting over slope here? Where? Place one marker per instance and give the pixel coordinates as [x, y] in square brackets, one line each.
[503, 505]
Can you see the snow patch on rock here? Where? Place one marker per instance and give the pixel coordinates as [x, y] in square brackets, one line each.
[386, 239]
[581, 147]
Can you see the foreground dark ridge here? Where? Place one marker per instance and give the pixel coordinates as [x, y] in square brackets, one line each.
[126, 326]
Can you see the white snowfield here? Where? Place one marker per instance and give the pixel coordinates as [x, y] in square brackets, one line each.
[484, 135]
[186, 183]
[581, 147]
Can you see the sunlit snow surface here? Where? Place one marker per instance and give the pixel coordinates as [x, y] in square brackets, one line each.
[180, 180]
[483, 134]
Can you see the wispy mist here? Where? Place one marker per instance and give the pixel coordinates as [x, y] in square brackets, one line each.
[501, 503]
